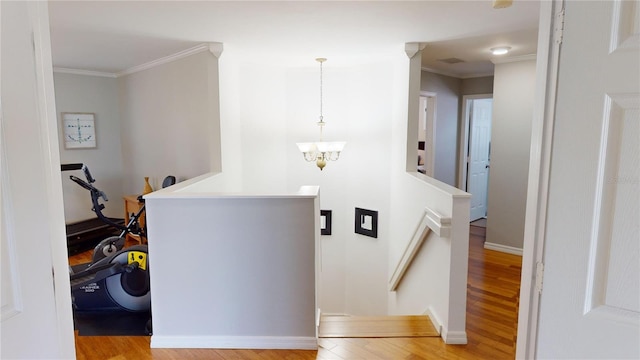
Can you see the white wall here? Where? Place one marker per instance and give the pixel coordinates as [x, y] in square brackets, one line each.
[98, 95]
[513, 96]
[170, 121]
[233, 271]
[447, 91]
[424, 289]
[474, 86]
[267, 107]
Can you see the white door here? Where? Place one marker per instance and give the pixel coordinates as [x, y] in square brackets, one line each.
[479, 155]
[36, 315]
[590, 302]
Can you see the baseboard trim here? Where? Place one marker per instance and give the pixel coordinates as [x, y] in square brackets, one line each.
[435, 320]
[503, 248]
[454, 337]
[234, 342]
[335, 314]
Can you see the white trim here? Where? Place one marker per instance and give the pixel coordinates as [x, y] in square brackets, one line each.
[538, 182]
[12, 290]
[457, 76]
[335, 314]
[432, 107]
[439, 72]
[503, 248]
[476, 75]
[412, 48]
[454, 337]
[213, 48]
[84, 72]
[235, 342]
[514, 59]
[435, 319]
[431, 221]
[51, 181]
[167, 59]
[464, 139]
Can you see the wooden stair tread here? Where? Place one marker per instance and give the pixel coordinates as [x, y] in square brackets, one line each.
[376, 326]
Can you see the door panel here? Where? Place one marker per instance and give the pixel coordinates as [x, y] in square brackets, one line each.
[479, 156]
[590, 302]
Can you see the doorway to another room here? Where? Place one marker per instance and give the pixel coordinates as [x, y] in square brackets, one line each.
[476, 153]
[426, 133]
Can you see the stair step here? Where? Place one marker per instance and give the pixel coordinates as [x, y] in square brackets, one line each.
[332, 326]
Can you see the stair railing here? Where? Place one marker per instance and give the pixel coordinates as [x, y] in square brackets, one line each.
[430, 222]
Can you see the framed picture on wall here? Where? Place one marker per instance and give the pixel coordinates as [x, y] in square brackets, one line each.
[79, 130]
[325, 222]
[366, 222]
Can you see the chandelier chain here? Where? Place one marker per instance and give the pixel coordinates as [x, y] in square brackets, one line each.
[321, 91]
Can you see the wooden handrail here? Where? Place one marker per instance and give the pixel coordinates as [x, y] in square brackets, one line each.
[430, 222]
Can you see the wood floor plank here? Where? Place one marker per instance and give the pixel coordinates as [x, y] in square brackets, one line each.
[376, 326]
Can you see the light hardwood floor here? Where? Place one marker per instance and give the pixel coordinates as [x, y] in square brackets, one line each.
[492, 312]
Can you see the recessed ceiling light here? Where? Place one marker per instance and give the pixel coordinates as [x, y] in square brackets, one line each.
[500, 50]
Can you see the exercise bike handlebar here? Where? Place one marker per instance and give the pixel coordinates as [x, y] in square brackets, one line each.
[96, 194]
[79, 166]
[82, 183]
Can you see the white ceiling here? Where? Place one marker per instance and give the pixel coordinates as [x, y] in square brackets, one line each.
[112, 36]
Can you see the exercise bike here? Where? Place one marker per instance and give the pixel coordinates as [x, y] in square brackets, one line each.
[116, 278]
[112, 244]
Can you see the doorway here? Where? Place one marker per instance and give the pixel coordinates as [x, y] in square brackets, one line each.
[426, 133]
[476, 152]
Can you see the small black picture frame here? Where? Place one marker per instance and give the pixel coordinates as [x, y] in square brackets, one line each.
[366, 222]
[325, 223]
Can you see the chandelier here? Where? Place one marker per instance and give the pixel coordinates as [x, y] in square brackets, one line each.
[321, 151]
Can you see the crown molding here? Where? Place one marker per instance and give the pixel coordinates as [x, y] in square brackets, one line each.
[514, 59]
[216, 49]
[213, 48]
[412, 48]
[439, 72]
[84, 72]
[457, 76]
[477, 75]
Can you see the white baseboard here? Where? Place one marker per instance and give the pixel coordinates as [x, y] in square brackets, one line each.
[234, 342]
[503, 248]
[435, 320]
[454, 337]
[335, 314]
[449, 337]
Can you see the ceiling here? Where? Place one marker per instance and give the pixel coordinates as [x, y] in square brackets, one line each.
[112, 36]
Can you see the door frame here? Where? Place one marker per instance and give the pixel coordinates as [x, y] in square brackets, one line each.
[47, 148]
[539, 166]
[464, 136]
[430, 124]
[547, 64]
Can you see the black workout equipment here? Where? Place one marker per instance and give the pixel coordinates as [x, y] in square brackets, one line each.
[110, 245]
[117, 282]
[116, 278]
